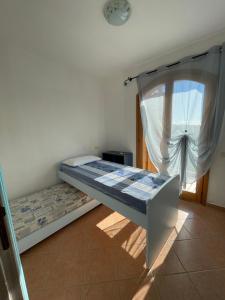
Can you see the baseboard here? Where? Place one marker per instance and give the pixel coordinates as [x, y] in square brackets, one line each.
[216, 206]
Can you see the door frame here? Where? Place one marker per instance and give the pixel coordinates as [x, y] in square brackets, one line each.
[17, 278]
[144, 162]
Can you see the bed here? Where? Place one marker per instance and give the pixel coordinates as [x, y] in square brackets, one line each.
[149, 200]
[37, 216]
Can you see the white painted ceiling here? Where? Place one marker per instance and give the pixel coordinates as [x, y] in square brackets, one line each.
[76, 32]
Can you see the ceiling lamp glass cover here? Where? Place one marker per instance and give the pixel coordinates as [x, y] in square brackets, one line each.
[117, 12]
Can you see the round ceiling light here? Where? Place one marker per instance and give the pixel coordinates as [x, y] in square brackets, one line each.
[117, 12]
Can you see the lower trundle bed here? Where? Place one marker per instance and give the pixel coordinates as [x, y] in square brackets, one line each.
[41, 214]
[149, 200]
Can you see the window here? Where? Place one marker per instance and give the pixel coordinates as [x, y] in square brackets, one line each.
[177, 110]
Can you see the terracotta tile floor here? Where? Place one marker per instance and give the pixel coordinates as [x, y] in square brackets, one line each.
[102, 256]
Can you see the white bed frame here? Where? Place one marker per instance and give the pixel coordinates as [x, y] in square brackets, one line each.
[159, 220]
[41, 234]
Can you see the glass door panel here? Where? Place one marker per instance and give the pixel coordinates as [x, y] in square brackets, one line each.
[186, 119]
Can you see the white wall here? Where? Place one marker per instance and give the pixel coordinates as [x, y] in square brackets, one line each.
[120, 112]
[48, 112]
[216, 190]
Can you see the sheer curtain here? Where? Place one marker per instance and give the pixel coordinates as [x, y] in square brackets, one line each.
[182, 108]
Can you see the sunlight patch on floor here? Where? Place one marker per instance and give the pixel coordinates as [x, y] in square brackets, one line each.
[135, 243]
[133, 249]
[113, 224]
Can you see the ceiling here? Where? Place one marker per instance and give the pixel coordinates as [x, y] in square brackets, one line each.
[76, 32]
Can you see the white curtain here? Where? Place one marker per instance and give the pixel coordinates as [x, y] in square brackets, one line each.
[182, 109]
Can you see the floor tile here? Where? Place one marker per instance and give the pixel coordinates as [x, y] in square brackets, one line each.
[138, 289]
[176, 287]
[198, 228]
[201, 254]
[216, 222]
[103, 291]
[127, 234]
[180, 232]
[168, 264]
[182, 213]
[210, 284]
[129, 264]
[183, 234]
[74, 293]
[37, 267]
[195, 210]
[68, 271]
[95, 216]
[113, 220]
[131, 234]
[102, 256]
[101, 266]
[188, 208]
[47, 294]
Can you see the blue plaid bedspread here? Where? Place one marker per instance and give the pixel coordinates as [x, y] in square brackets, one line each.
[132, 186]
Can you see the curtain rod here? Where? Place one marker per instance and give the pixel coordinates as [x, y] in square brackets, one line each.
[129, 79]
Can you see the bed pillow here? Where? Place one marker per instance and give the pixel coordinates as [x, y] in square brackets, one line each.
[80, 160]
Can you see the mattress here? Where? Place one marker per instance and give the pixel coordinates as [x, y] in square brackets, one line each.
[131, 186]
[33, 212]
